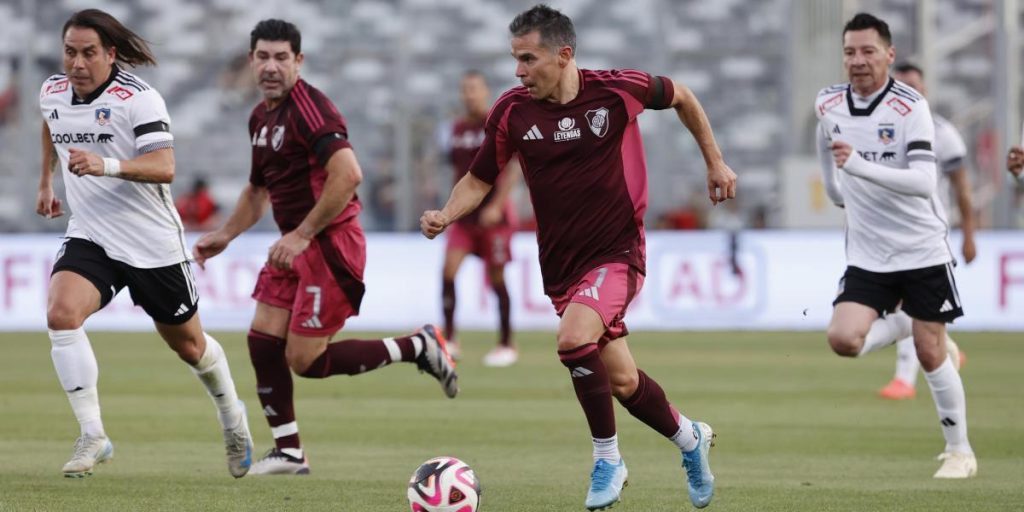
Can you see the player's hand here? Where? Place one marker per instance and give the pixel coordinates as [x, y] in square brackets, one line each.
[1015, 160]
[47, 204]
[490, 215]
[285, 250]
[84, 163]
[433, 223]
[969, 250]
[208, 246]
[721, 183]
[841, 153]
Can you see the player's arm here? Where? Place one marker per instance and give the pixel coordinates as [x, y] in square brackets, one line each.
[466, 196]
[828, 168]
[251, 205]
[962, 189]
[721, 179]
[47, 204]
[343, 176]
[1015, 162]
[492, 212]
[917, 180]
[156, 166]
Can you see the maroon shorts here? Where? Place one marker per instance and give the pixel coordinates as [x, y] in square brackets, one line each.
[324, 286]
[608, 290]
[491, 244]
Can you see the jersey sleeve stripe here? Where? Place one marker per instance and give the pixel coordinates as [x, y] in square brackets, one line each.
[953, 164]
[149, 148]
[155, 126]
[919, 145]
[310, 104]
[307, 108]
[921, 157]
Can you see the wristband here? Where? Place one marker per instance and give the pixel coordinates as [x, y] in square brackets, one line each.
[111, 167]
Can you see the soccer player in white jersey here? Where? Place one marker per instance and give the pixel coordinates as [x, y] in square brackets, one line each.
[950, 152]
[884, 174]
[109, 133]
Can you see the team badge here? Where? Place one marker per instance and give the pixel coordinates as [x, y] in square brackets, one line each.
[277, 137]
[598, 120]
[886, 134]
[102, 116]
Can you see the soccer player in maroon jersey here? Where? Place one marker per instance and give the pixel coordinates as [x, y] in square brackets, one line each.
[486, 231]
[576, 136]
[304, 167]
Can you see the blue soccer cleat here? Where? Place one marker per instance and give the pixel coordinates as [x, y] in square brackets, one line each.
[606, 483]
[699, 480]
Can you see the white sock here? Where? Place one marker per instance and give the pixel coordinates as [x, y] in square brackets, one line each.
[686, 438]
[607, 449]
[215, 375]
[78, 373]
[948, 393]
[885, 331]
[907, 364]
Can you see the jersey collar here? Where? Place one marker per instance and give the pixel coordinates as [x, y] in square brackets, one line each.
[854, 111]
[99, 90]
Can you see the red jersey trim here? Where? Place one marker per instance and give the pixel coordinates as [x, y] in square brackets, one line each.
[306, 107]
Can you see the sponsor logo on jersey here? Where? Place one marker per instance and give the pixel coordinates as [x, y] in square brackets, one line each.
[277, 138]
[888, 156]
[259, 139]
[533, 134]
[567, 130]
[598, 121]
[102, 116]
[887, 133]
[898, 105]
[56, 87]
[875, 156]
[120, 92]
[54, 116]
[830, 103]
[81, 138]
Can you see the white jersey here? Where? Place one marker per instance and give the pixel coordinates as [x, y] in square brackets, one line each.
[135, 223]
[950, 153]
[886, 231]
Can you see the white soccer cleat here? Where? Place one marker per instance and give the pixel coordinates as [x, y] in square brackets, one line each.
[276, 462]
[954, 352]
[89, 451]
[436, 361]
[957, 465]
[501, 357]
[238, 445]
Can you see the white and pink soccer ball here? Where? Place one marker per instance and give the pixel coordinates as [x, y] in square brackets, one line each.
[444, 484]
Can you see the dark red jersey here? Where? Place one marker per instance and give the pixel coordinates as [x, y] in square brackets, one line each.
[584, 165]
[290, 147]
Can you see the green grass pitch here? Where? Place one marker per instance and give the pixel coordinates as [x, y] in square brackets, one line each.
[799, 430]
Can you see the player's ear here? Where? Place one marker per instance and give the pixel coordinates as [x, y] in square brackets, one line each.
[299, 58]
[565, 55]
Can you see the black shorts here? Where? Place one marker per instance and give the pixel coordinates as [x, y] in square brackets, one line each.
[927, 294]
[167, 294]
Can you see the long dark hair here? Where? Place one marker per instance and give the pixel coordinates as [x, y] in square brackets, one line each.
[131, 49]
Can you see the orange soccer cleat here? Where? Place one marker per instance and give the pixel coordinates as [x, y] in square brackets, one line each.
[897, 390]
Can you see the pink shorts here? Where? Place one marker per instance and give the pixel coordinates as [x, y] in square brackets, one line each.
[324, 286]
[490, 244]
[608, 290]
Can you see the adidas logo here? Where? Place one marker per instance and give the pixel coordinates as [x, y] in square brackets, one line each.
[54, 115]
[580, 371]
[835, 129]
[946, 306]
[269, 412]
[590, 292]
[181, 310]
[312, 323]
[533, 134]
[947, 422]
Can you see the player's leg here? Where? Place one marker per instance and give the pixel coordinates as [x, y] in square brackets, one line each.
[169, 296]
[505, 353]
[903, 384]
[858, 325]
[458, 245]
[83, 281]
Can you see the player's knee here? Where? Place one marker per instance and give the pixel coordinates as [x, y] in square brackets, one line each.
[298, 360]
[930, 357]
[568, 340]
[624, 384]
[844, 343]
[61, 317]
[188, 351]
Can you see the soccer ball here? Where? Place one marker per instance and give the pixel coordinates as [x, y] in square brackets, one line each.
[444, 484]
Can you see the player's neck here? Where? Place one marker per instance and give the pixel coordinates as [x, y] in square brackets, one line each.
[873, 92]
[568, 86]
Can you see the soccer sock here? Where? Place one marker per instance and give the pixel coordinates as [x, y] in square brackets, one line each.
[608, 449]
[948, 393]
[215, 375]
[274, 387]
[649, 405]
[78, 373]
[590, 380]
[907, 364]
[504, 314]
[885, 331]
[448, 304]
[352, 357]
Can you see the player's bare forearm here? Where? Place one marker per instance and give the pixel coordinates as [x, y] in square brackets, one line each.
[153, 167]
[252, 204]
[49, 159]
[962, 188]
[692, 115]
[466, 196]
[343, 176]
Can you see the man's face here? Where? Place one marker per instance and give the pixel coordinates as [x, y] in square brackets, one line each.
[913, 79]
[86, 62]
[275, 67]
[866, 58]
[475, 94]
[538, 67]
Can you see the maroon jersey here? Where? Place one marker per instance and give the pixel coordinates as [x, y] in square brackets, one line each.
[466, 138]
[584, 165]
[291, 144]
